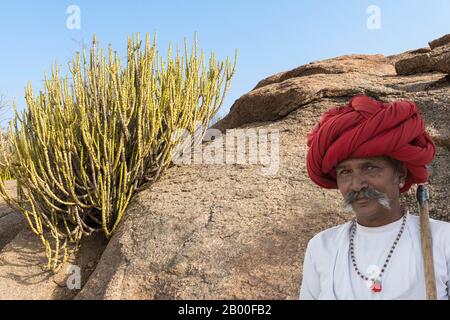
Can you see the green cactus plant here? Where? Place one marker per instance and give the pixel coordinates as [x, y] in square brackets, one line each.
[81, 150]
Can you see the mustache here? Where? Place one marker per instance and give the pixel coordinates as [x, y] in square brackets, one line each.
[369, 193]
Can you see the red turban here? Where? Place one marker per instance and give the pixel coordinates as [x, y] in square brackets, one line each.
[369, 128]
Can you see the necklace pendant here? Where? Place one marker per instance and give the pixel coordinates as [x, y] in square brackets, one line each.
[376, 286]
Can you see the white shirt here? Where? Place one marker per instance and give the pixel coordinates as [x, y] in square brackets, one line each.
[329, 274]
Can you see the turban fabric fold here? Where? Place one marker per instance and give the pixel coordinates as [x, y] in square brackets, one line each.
[365, 128]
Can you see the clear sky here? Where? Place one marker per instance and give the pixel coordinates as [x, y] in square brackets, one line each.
[271, 36]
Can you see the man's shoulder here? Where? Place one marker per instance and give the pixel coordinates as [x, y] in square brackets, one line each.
[328, 236]
[438, 228]
[434, 223]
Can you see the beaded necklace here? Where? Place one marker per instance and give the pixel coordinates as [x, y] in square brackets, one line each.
[375, 282]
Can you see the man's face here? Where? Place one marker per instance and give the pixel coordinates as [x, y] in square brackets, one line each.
[374, 179]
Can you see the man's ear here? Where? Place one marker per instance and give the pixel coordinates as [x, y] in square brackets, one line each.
[402, 174]
[405, 172]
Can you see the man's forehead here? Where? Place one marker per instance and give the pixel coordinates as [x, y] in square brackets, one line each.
[357, 161]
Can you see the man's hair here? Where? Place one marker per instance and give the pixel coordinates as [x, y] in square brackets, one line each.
[396, 164]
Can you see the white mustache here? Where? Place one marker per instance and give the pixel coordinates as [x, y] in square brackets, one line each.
[369, 193]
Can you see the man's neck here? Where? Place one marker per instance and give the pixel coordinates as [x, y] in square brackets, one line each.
[382, 218]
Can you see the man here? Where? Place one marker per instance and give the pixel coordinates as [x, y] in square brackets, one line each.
[372, 152]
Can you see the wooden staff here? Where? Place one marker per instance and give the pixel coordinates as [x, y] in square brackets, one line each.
[426, 240]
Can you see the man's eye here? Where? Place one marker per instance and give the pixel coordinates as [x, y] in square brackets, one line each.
[343, 172]
[371, 167]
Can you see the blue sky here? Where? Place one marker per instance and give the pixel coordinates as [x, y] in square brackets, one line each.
[271, 36]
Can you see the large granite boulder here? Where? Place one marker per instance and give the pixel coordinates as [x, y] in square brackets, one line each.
[229, 231]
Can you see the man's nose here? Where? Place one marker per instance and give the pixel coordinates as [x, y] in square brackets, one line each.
[358, 182]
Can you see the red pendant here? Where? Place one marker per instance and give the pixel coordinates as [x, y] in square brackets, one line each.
[376, 286]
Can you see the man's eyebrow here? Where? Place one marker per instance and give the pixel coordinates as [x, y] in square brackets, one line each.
[341, 166]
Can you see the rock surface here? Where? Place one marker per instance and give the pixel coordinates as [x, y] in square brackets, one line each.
[436, 59]
[440, 41]
[22, 258]
[11, 223]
